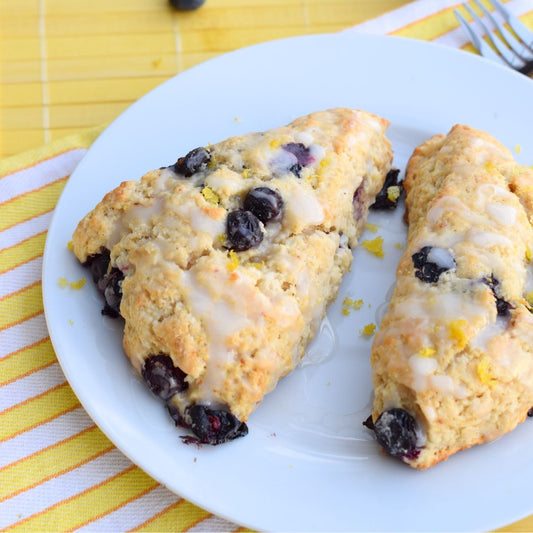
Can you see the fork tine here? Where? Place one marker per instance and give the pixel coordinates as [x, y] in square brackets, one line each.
[480, 45]
[505, 53]
[517, 26]
[508, 46]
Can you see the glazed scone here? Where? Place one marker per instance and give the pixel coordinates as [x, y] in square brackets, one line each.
[223, 264]
[452, 360]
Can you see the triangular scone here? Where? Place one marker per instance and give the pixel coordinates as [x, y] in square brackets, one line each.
[222, 265]
[453, 358]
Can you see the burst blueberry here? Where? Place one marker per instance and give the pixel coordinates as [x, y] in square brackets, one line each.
[214, 426]
[431, 262]
[111, 287]
[385, 201]
[195, 161]
[503, 308]
[395, 431]
[162, 377]
[98, 264]
[302, 154]
[264, 203]
[243, 230]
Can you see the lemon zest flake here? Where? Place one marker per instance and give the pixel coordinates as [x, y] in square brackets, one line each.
[374, 246]
[233, 261]
[484, 372]
[393, 193]
[210, 195]
[62, 282]
[457, 329]
[256, 264]
[528, 254]
[77, 285]
[246, 173]
[70, 245]
[371, 227]
[398, 245]
[518, 148]
[490, 167]
[324, 163]
[428, 352]
[348, 305]
[368, 330]
[529, 298]
[275, 143]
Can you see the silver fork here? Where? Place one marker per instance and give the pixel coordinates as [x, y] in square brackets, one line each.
[515, 51]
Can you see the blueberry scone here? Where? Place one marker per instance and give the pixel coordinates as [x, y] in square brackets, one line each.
[222, 265]
[453, 358]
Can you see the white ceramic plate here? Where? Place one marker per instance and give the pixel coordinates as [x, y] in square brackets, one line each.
[307, 464]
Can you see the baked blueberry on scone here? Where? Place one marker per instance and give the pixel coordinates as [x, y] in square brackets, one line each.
[223, 264]
[453, 358]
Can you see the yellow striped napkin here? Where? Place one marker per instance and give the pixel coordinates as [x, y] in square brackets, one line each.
[58, 472]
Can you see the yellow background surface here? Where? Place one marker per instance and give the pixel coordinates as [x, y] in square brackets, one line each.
[71, 64]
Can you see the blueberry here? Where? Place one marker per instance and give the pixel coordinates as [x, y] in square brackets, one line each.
[243, 230]
[264, 203]
[195, 161]
[384, 200]
[369, 423]
[98, 265]
[302, 154]
[503, 307]
[395, 431]
[163, 378]
[111, 287]
[530, 412]
[214, 426]
[186, 5]
[431, 262]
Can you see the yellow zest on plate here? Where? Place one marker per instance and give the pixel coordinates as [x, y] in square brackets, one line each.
[371, 227]
[368, 330]
[77, 285]
[374, 246]
[348, 305]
